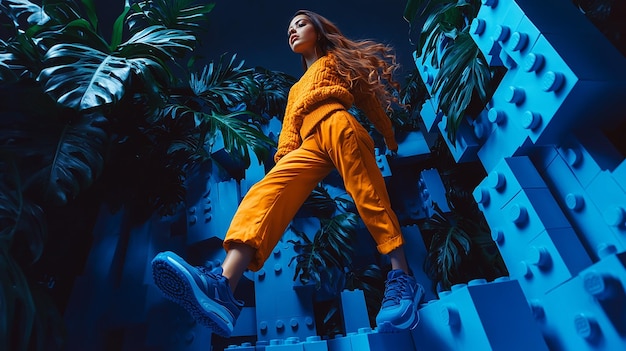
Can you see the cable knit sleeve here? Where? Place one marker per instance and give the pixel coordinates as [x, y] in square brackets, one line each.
[289, 138]
[371, 106]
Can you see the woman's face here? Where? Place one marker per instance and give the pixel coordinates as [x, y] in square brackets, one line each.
[302, 35]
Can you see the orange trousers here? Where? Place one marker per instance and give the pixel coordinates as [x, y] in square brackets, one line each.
[339, 141]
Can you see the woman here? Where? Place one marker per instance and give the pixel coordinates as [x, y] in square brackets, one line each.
[318, 135]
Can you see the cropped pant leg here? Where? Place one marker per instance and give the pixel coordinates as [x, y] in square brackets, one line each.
[270, 205]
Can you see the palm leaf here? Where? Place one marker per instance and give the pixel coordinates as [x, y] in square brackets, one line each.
[450, 244]
[176, 14]
[239, 136]
[223, 85]
[463, 73]
[272, 92]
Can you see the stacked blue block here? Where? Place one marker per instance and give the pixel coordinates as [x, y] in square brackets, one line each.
[535, 239]
[281, 310]
[587, 312]
[479, 316]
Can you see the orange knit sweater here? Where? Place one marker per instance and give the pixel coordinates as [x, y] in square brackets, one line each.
[320, 91]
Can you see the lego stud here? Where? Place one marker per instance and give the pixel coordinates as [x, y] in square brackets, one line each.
[539, 256]
[605, 250]
[309, 322]
[537, 310]
[479, 281]
[531, 120]
[260, 274]
[501, 33]
[275, 342]
[574, 202]
[496, 180]
[478, 26]
[276, 251]
[293, 323]
[573, 156]
[498, 236]
[292, 340]
[614, 216]
[533, 62]
[479, 130]
[263, 327]
[450, 315]
[524, 270]
[552, 81]
[518, 214]
[597, 285]
[193, 220]
[278, 268]
[313, 338]
[481, 195]
[456, 287]
[207, 208]
[490, 3]
[495, 116]
[279, 325]
[514, 95]
[585, 327]
[519, 41]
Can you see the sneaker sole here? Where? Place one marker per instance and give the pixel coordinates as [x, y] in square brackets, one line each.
[388, 327]
[177, 285]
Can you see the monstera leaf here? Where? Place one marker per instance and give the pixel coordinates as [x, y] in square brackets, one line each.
[59, 159]
[85, 78]
[176, 14]
[16, 9]
[82, 77]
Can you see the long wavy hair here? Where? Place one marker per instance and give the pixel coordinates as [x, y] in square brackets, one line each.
[366, 64]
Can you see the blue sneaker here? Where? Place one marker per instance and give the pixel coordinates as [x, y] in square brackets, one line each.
[403, 295]
[205, 294]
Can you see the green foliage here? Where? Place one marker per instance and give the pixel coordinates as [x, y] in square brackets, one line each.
[113, 119]
[322, 258]
[444, 39]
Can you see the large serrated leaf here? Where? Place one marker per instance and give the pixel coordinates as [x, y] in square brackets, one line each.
[82, 78]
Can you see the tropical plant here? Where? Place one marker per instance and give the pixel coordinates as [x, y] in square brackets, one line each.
[443, 39]
[120, 116]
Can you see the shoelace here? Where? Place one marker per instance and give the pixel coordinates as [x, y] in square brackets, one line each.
[394, 289]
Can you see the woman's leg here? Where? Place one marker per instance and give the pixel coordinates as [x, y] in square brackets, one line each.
[269, 206]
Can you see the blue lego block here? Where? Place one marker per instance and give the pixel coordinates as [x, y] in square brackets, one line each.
[481, 126]
[340, 343]
[507, 179]
[589, 153]
[367, 340]
[549, 260]
[579, 208]
[619, 174]
[314, 343]
[211, 217]
[466, 145]
[427, 70]
[383, 163]
[412, 147]
[246, 322]
[433, 190]
[587, 312]
[282, 311]
[430, 113]
[416, 252]
[234, 166]
[610, 199]
[471, 317]
[492, 25]
[289, 344]
[354, 310]
[243, 347]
